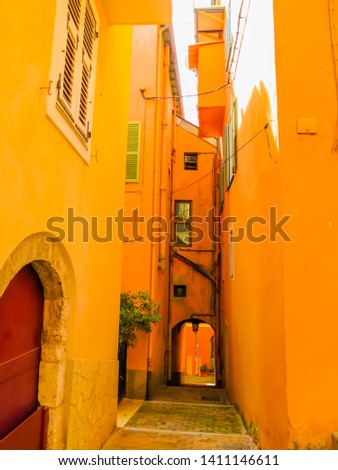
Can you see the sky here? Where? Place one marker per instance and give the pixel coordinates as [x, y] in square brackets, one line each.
[183, 22]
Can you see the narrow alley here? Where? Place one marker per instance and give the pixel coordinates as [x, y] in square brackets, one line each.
[169, 245]
[180, 418]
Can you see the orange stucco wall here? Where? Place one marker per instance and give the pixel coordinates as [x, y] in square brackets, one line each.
[199, 299]
[252, 300]
[190, 359]
[134, 12]
[145, 264]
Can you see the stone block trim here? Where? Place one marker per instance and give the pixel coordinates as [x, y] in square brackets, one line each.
[53, 266]
[335, 440]
[92, 404]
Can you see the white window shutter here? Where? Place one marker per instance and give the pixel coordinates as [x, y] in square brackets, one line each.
[68, 83]
[88, 40]
[73, 71]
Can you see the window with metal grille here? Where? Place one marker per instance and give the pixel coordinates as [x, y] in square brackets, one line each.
[73, 66]
[180, 291]
[133, 152]
[190, 161]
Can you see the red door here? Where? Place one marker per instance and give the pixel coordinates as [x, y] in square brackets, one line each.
[21, 315]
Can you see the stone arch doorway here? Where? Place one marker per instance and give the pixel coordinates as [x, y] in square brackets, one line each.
[193, 353]
[53, 267]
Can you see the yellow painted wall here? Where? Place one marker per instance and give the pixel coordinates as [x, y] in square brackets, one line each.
[42, 175]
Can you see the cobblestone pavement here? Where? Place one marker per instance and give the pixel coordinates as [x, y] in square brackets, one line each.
[179, 418]
[127, 439]
[192, 394]
[186, 417]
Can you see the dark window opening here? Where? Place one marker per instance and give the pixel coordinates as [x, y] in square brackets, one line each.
[180, 291]
[190, 161]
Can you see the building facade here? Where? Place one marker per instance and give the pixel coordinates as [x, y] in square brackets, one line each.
[64, 129]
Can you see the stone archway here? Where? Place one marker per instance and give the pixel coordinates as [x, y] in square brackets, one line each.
[53, 266]
[193, 347]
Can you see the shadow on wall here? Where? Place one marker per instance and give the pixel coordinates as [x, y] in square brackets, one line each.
[255, 349]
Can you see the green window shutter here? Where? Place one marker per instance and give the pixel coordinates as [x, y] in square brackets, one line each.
[230, 138]
[221, 186]
[133, 152]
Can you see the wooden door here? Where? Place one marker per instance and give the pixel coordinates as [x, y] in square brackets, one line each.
[21, 316]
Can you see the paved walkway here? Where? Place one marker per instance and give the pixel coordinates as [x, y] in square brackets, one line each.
[179, 418]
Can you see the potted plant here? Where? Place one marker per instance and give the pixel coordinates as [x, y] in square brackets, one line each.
[204, 370]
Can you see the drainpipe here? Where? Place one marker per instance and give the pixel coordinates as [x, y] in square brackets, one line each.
[164, 150]
[170, 274]
[218, 280]
[156, 188]
[163, 265]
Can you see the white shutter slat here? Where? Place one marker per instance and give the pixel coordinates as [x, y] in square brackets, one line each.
[89, 30]
[68, 77]
[88, 38]
[84, 94]
[67, 95]
[74, 9]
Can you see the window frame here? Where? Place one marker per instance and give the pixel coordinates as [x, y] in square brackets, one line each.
[184, 290]
[180, 221]
[190, 154]
[71, 109]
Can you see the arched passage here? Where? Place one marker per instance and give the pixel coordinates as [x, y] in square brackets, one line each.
[193, 353]
[53, 268]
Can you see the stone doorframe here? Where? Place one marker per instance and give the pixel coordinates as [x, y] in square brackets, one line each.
[53, 266]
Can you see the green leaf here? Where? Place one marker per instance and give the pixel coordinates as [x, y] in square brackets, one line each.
[138, 312]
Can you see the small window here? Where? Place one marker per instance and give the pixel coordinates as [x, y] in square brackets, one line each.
[182, 223]
[190, 161]
[180, 291]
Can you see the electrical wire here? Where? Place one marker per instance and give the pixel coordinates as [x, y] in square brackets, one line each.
[334, 41]
[224, 161]
[225, 85]
[263, 129]
[334, 44]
